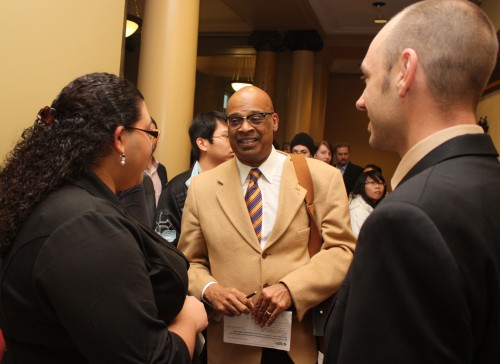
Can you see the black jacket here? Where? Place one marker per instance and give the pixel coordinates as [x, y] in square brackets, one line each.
[85, 282]
[170, 206]
[424, 285]
[351, 174]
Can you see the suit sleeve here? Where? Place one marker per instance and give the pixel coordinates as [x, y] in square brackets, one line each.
[192, 243]
[403, 300]
[323, 275]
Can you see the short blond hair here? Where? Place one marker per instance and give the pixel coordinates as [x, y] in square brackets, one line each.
[456, 45]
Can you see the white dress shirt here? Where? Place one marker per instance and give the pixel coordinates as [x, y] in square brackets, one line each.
[269, 183]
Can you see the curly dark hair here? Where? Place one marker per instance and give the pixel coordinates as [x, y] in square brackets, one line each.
[359, 187]
[60, 149]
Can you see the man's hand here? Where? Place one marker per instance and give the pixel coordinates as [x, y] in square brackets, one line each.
[273, 300]
[228, 301]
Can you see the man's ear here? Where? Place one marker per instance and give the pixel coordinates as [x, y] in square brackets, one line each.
[118, 139]
[276, 121]
[202, 143]
[408, 67]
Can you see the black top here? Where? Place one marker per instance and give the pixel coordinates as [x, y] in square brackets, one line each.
[140, 201]
[424, 285]
[170, 206]
[351, 174]
[85, 282]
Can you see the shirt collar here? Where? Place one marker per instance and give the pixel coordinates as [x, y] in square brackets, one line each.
[154, 165]
[268, 168]
[196, 171]
[342, 168]
[423, 147]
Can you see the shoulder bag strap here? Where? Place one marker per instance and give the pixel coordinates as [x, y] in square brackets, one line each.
[305, 180]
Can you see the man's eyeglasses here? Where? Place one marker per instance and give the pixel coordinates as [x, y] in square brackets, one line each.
[153, 134]
[224, 137]
[256, 119]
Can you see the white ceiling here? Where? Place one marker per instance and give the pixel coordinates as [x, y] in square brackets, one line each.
[224, 26]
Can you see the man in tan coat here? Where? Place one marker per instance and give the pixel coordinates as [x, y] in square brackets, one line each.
[229, 259]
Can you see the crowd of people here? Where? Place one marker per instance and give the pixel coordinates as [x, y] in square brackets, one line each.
[103, 261]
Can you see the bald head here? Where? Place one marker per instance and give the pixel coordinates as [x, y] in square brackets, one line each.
[252, 138]
[250, 94]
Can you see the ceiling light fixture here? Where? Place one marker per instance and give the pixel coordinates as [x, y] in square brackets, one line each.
[380, 18]
[242, 75]
[133, 22]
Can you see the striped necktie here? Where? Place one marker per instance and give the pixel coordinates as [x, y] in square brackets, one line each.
[253, 199]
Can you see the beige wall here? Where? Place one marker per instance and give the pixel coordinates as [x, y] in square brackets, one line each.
[46, 44]
[345, 123]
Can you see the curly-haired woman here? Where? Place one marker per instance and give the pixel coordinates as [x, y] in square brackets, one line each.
[81, 280]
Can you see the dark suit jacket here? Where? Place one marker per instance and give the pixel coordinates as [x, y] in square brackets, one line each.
[170, 206]
[162, 173]
[351, 174]
[424, 285]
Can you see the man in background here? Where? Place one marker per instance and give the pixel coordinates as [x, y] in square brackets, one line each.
[350, 171]
[209, 147]
[424, 286]
[156, 171]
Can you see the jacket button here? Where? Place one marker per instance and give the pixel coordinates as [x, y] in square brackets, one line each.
[264, 255]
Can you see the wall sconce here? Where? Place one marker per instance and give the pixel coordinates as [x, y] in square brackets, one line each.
[242, 75]
[380, 18]
[133, 22]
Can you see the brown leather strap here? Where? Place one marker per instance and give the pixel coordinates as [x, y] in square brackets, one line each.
[305, 180]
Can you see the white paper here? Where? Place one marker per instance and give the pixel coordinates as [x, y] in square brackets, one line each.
[244, 331]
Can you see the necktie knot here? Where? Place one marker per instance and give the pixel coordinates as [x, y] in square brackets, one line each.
[255, 173]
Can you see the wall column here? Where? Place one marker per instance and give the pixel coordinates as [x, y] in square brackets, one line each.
[303, 44]
[167, 74]
[267, 44]
[320, 92]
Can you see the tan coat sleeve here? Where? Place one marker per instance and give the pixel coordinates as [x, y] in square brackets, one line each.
[323, 275]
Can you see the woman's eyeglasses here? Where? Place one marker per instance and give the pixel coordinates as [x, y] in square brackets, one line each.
[153, 134]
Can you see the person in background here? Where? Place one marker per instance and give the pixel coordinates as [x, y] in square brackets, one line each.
[82, 280]
[324, 152]
[156, 171]
[368, 191]
[209, 148]
[424, 285]
[350, 171]
[286, 147]
[231, 257]
[372, 167]
[304, 144]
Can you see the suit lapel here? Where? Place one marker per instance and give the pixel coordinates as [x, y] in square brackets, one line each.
[291, 199]
[468, 144]
[231, 200]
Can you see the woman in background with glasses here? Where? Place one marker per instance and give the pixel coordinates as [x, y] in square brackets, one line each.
[81, 280]
[368, 191]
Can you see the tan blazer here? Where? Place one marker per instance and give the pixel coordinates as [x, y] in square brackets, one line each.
[219, 241]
